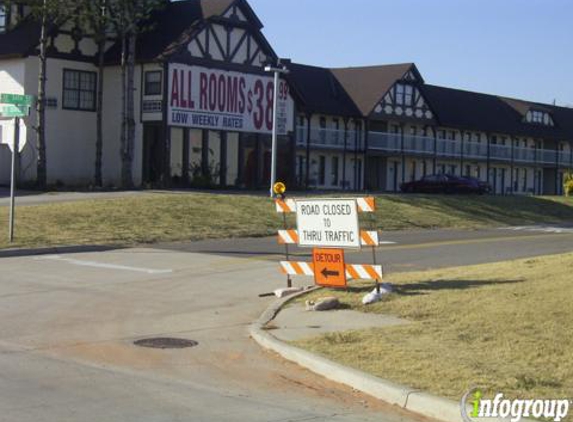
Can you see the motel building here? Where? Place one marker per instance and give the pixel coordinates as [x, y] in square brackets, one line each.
[204, 110]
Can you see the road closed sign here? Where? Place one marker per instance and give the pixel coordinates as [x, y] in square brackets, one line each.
[328, 223]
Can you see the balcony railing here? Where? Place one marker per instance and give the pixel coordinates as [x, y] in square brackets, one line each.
[445, 148]
[428, 146]
[328, 138]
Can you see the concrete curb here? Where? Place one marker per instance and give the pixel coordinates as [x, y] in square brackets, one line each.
[415, 401]
[54, 250]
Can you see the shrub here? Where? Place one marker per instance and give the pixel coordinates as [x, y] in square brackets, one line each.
[568, 184]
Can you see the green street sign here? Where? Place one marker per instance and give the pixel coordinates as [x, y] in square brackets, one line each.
[15, 99]
[15, 111]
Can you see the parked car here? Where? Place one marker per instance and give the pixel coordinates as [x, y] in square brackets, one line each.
[483, 187]
[446, 183]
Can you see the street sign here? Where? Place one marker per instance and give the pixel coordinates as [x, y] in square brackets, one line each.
[16, 99]
[15, 111]
[329, 267]
[328, 223]
[7, 134]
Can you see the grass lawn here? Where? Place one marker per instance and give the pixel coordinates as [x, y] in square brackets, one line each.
[505, 327]
[156, 217]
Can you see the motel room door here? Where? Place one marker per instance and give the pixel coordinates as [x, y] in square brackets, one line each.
[153, 150]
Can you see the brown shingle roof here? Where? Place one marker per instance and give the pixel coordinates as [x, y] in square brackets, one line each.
[368, 85]
[320, 92]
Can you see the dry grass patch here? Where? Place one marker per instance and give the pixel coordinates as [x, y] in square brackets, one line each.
[145, 218]
[507, 327]
[161, 217]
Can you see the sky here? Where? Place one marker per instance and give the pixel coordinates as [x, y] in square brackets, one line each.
[516, 48]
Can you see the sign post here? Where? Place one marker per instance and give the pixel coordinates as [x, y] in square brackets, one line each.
[277, 72]
[18, 106]
[13, 178]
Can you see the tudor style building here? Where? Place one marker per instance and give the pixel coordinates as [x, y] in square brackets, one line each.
[205, 113]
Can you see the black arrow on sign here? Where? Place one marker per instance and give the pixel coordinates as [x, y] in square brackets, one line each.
[325, 273]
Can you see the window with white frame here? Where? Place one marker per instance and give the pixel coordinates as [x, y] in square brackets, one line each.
[79, 90]
[153, 83]
[539, 117]
[404, 94]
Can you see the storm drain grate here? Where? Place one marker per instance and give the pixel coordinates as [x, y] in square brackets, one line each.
[166, 343]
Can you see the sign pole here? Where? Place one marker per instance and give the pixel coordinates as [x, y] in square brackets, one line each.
[277, 71]
[274, 146]
[15, 148]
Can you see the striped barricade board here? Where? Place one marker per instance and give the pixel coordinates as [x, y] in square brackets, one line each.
[288, 206]
[353, 271]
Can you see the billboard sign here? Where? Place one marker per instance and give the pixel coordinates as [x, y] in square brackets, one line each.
[204, 98]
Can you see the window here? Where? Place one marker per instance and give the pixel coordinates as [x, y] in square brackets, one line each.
[539, 117]
[336, 130]
[408, 95]
[3, 18]
[334, 171]
[400, 93]
[152, 83]
[79, 90]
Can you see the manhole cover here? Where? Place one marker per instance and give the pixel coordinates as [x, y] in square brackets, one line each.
[166, 343]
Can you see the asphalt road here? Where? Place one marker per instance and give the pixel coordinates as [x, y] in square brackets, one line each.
[67, 326]
[413, 250]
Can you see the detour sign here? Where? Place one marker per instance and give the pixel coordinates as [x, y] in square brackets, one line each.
[329, 267]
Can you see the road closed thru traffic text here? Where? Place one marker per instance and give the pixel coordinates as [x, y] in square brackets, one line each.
[330, 223]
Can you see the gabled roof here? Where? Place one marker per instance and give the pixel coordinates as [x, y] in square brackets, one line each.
[168, 24]
[320, 91]
[484, 112]
[368, 85]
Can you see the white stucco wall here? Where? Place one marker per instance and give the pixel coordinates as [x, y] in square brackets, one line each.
[12, 81]
[112, 128]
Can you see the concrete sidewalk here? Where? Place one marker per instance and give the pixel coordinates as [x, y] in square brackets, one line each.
[296, 323]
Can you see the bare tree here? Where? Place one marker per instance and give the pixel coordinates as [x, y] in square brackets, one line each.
[94, 15]
[50, 14]
[129, 19]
